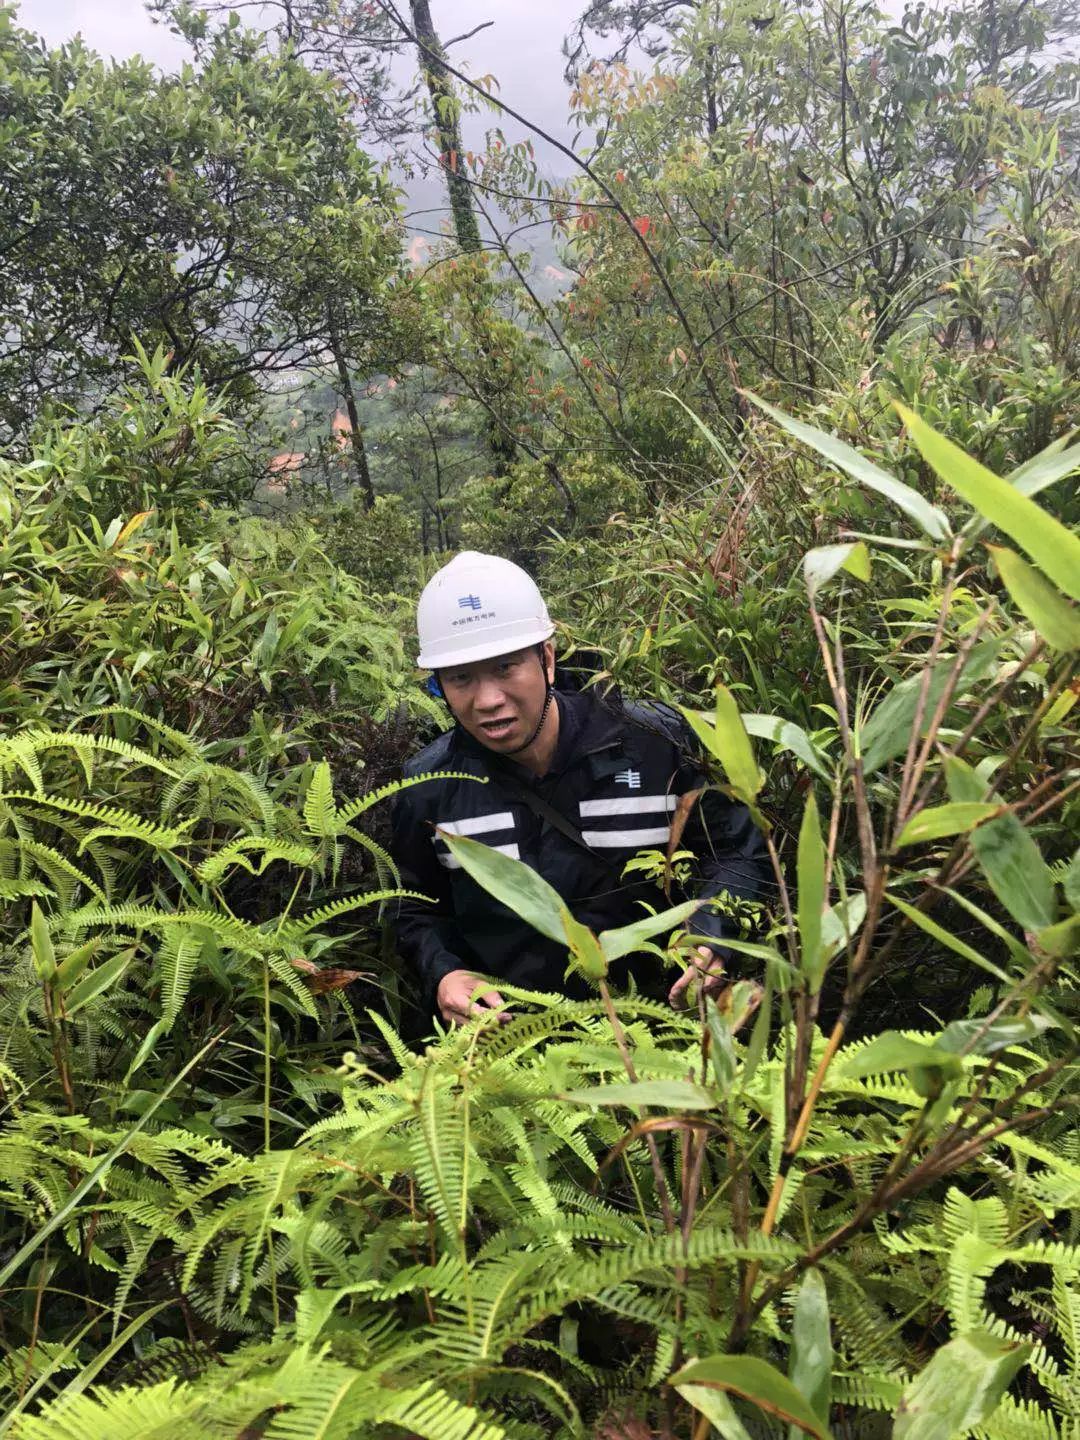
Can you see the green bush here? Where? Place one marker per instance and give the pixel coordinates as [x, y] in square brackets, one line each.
[244, 1207]
[515, 514]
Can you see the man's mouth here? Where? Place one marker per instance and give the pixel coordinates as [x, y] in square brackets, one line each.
[496, 729]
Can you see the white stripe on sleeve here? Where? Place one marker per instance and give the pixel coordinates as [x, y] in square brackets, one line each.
[479, 824]
[452, 863]
[626, 805]
[626, 839]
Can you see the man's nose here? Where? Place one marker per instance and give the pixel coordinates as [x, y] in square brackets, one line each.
[490, 694]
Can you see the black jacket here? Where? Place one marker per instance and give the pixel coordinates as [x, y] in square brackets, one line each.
[617, 773]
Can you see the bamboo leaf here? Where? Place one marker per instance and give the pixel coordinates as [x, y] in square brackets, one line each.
[886, 734]
[41, 946]
[96, 982]
[932, 521]
[717, 1409]
[811, 897]
[788, 736]
[822, 564]
[811, 1344]
[1055, 549]
[1046, 468]
[666, 1094]
[979, 1038]
[960, 1388]
[1054, 618]
[1016, 872]
[625, 940]
[516, 884]
[940, 821]
[757, 1381]
[726, 739]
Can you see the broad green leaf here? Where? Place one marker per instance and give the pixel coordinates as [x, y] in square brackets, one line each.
[940, 821]
[811, 1362]
[726, 739]
[1055, 549]
[964, 784]
[625, 940]
[926, 1065]
[1016, 872]
[1060, 940]
[998, 1035]
[511, 881]
[757, 1381]
[1054, 618]
[672, 1095]
[820, 565]
[585, 951]
[810, 868]
[95, 982]
[788, 736]
[1071, 883]
[948, 939]
[841, 922]
[960, 1387]
[928, 517]
[41, 946]
[1046, 468]
[886, 734]
[72, 966]
[717, 1409]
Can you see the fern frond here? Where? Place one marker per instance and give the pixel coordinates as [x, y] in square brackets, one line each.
[177, 959]
[237, 933]
[211, 870]
[438, 1150]
[183, 743]
[387, 872]
[59, 868]
[260, 806]
[319, 809]
[303, 924]
[111, 820]
[347, 813]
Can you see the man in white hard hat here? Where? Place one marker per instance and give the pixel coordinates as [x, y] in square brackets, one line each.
[576, 786]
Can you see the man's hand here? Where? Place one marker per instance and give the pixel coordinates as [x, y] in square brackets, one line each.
[706, 965]
[454, 997]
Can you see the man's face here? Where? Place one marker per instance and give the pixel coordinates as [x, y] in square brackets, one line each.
[500, 701]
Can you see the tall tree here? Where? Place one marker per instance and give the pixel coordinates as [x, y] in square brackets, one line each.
[226, 212]
[445, 112]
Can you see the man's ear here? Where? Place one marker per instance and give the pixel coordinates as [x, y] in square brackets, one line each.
[549, 661]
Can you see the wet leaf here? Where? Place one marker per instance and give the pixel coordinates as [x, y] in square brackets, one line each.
[757, 1381]
[1054, 619]
[960, 1387]
[1055, 549]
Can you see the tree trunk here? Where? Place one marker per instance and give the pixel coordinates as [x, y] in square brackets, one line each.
[356, 437]
[444, 109]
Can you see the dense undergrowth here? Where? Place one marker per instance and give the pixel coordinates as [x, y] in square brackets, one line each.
[238, 1199]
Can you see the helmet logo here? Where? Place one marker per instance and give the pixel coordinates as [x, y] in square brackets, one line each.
[469, 602]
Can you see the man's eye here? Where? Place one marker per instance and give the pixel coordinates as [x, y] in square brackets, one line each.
[457, 679]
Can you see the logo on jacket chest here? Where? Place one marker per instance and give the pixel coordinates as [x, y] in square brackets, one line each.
[630, 778]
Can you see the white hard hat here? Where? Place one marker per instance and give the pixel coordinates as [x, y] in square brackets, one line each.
[476, 607]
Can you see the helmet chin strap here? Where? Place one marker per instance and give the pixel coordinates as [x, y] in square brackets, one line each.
[539, 724]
